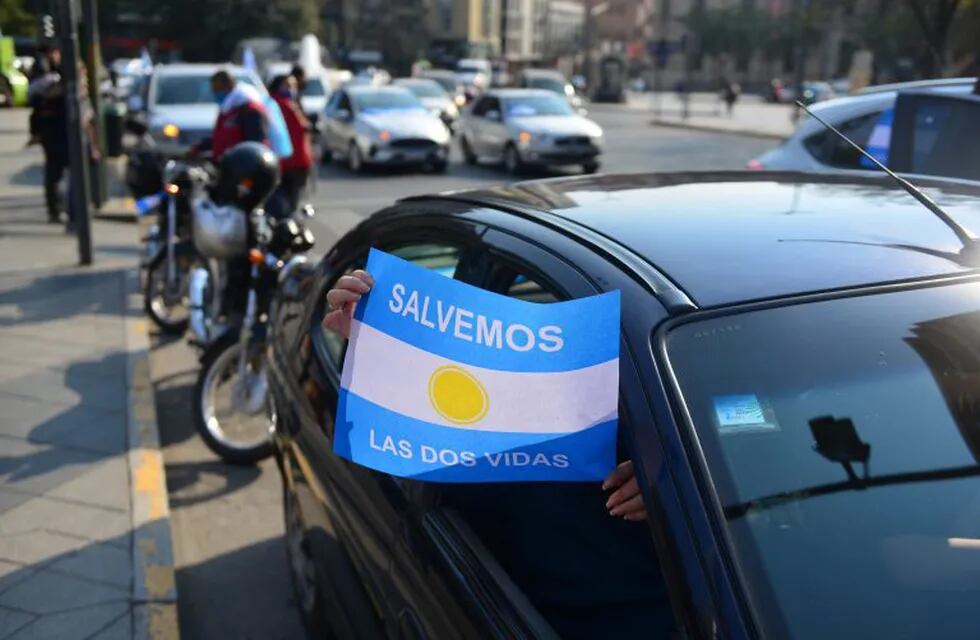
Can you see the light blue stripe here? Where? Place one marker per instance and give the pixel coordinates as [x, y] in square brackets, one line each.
[589, 326]
[363, 428]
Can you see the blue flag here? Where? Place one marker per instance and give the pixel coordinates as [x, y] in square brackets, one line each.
[446, 382]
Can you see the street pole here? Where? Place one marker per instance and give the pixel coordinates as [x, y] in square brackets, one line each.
[78, 162]
[587, 46]
[93, 62]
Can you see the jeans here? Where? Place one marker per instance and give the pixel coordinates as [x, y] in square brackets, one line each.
[55, 164]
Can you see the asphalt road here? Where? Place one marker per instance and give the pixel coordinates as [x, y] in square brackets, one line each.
[232, 575]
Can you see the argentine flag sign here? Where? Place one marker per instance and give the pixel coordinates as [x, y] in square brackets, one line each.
[446, 382]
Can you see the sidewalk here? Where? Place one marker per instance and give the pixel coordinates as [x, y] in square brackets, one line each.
[85, 546]
[751, 116]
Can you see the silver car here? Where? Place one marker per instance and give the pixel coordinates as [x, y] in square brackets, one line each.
[434, 97]
[180, 107]
[864, 117]
[369, 125]
[522, 127]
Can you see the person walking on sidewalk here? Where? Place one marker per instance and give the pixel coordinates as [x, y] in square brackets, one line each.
[729, 93]
[295, 170]
[49, 126]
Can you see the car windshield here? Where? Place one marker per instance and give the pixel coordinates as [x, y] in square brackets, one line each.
[425, 89]
[842, 438]
[556, 85]
[537, 105]
[383, 101]
[189, 89]
[314, 89]
[446, 82]
[471, 67]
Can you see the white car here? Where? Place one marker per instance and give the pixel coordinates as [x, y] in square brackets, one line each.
[180, 107]
[314, 96]
[863, 117]
[368, 125]
[474, 72]
[434, 97]
[522, 127]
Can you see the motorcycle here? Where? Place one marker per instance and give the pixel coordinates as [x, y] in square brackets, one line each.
[229, 317]
[170, 255]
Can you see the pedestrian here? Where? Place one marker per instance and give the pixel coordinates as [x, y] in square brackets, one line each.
[295, 169]
[299, 74]
[49, 127]
[729, 93]
[241, 116]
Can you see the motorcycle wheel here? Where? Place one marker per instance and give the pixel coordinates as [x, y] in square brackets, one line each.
[234, 417]
[168, 307]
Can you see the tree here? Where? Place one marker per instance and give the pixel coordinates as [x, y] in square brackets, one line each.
[935, 17]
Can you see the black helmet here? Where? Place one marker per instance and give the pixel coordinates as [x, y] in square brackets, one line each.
[248, 174]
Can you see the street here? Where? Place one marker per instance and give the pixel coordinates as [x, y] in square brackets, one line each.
[232, 575]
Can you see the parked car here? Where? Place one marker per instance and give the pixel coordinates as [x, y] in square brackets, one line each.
[528, 127]
[370, 126]
[797, 396]
[812, 147]
[554, 81]
[448, 80]
[180, 108]
[433, 97]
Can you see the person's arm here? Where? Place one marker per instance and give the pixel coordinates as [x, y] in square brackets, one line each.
[253, 126]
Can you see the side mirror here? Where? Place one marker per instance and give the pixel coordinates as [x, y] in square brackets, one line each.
[494, 115]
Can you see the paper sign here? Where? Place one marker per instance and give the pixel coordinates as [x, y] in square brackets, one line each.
[741, 413]
[446, 382]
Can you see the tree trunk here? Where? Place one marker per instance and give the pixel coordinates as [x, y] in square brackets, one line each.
[935, 29]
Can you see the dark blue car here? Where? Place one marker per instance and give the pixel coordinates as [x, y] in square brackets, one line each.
[800, 395]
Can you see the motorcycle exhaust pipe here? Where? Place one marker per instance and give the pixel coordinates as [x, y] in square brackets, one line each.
[198, 320]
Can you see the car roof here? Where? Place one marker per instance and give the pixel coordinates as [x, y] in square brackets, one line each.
[837, 110]
[519, 93]
[355, 89]
[408, 81]
[727, 237]
[552, 73]
[197, 69]
[917, 84]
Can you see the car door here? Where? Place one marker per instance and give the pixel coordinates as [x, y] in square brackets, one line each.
[473, 123]
[526, 560]
[494, 131]
[337, 131]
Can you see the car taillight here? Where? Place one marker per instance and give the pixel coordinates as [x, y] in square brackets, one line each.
[754, 165]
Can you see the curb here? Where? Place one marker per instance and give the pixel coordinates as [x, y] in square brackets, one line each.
[154, 589]
[708, 128]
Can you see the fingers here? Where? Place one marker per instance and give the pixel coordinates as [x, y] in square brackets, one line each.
[632, 505]
[338, 321]
[619, 475]
[364, 277]
[625, 493]
[354, 282]
[339, 298]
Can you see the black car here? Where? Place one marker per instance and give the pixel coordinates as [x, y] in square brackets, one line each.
[800, 396]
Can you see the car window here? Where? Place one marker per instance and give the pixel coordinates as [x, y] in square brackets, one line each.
[344, 102]
[864, 520]
[441, 258]
[537, 105]
[830, 149]
[189, 89]
[482, 106]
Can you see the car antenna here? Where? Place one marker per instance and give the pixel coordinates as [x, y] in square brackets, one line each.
[963, 235]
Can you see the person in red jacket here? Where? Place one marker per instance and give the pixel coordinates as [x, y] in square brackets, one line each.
[294, 170]
[241, 116]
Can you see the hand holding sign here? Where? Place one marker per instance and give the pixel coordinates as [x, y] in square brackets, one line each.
[342, 300]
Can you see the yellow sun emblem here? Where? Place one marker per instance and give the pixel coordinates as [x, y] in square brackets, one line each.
[457, 395]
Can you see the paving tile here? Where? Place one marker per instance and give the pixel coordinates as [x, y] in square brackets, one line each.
[10, 574]
[121, 629]
[71, 519]
[11, 499]
[47, 592]
[77, 624]
[105, 483]
[11, 621]
[79, 426]
[81, 383]
[37, 468]
[99, 562]
[32, 547]
[40, 350]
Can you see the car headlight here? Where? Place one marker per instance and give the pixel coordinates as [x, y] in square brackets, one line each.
[170, 130]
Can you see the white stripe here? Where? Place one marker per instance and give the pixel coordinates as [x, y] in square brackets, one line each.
[395, 375]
